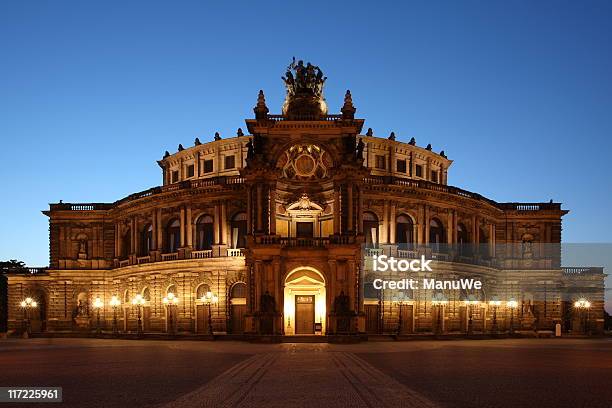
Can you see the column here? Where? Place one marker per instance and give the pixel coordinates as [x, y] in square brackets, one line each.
[259, 209]
[133, 236]
[154, 230]
[336, 211]
[249, 210]
[449, 227]
[223, 223]
[196, 164]
[350, 216]
[272, 210]
[392, 224]
[189, 227]
[384, 235]
[492, 240]
[182, 222]
[216, 224]
[117, 240]
[159, 231]
[455, 236]
[426, 223]
[360, 209]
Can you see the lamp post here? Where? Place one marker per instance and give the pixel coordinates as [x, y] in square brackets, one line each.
[439, 302]
[115, 303]
[98, 304]
[470, 303]
[139, 302]
[210, 299]
[583, 307]
[494, 303]
[512, 304]
[170, 301]
[27, 304]
[400, 300]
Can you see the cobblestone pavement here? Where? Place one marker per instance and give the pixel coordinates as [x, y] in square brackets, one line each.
[497, 373]
[303, 377]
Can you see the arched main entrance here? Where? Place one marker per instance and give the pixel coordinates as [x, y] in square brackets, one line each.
[304, 309]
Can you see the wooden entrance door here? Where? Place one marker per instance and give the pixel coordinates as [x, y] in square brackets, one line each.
[372, 319]
[238, 312]
[304, 314]
[202, 318]
[146, 319]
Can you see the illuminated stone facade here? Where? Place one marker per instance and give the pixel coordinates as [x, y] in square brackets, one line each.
[274, 223]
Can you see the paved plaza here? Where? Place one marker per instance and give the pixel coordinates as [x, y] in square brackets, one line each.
[460, 373]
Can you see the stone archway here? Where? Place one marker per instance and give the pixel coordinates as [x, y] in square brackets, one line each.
[305, 302]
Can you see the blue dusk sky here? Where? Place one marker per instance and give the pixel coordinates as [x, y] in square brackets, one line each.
[518, 93]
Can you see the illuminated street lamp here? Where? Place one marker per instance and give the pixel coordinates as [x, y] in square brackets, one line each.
[115, 303]
[439, 302]
[210, 299]
[170, 301]
[139, 302]
[583, 307]
[471, 303]
[98, 304]
[27, 304]
[494, 303]
[512, 304]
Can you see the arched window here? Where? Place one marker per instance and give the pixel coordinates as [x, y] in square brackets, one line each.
[370, 228]
[239, 230]
[201, 291]
[239, 290]
[404, 230]
[436, 233]
[146, 240]
[173, 236]
[172, 289]
[146, 294]
[483, 241]
[463, 240]
[204, 232]
[126, 244]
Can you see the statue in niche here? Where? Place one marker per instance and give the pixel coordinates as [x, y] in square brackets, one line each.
[527, 247]
[82, 249]
[82, 308]
[268, 304]
[360, 147]
[342, 304]
[250, 150]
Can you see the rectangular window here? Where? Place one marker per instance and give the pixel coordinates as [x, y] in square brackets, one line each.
[190, 170]
[174, 176]
[380, 162]
[434, 176]
[229, 162]
[208, 166]
[419, 170]
[401, 166]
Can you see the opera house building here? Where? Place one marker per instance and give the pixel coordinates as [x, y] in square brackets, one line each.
[272, 232]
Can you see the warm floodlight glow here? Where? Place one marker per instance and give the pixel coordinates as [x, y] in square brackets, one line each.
[98, 304]
[28, 303]
[512, 304]
[170, 299]
[114, 302]
[495, 302]
[582, 304]
[138, 300]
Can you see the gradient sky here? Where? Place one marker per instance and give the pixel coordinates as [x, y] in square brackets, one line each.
[518, 94]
